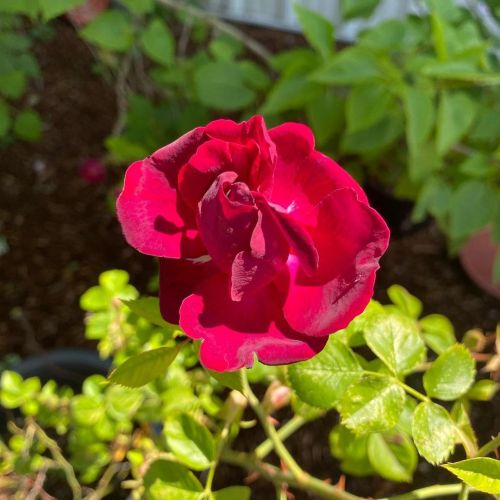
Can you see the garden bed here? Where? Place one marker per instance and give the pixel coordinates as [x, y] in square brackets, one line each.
[62, 234]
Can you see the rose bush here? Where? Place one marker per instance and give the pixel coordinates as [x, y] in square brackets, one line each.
[266, 246]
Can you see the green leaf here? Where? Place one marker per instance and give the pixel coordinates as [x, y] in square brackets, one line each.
[325, 114]
[254, 76]
[28, 7]
[376, 138]
[318, 31]
[221, 85]
[228, 379]
[225, 48]
[483, 390]
[94, 299]
[173, 474]
[438, 332]
[122, 403]
[351, 450]
[357, 8]
[28, 126]
[477, 165]
[433, 432]
[323, 380]
[420, 115]
[393, 456]
[407, 303]
[232, 493]
[158, 43]
[111, 30]
[147, 308]
[163, 491]
[463, 220]
[456, 114]
[373, 405]
[139, 7]
[13, 84]
[290, 93]
[451, 374]
[54, 8]
[481, 473]
[87, 410]
[144, 367]
[366, 105]
[350, 66]
[395, 340]
[4, 118]
[190, 441]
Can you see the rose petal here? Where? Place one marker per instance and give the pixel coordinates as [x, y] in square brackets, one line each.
[153, 219]
[303, 177]
[233, 333]
[212, 158]
[252, 130]
[350, 238]
[254, 268]
[225, 224]
[178, 279]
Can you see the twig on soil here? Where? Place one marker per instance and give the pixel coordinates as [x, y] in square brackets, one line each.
[249, 42]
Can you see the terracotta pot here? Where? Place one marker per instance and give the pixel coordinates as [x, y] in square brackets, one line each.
[477, 257]
[85, 13]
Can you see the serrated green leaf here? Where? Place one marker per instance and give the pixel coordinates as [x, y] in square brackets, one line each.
[438, 332]
[191, 442]
[317, 30]
[220, 85]
[323, 380]
[232, 493]
[158, 43]
[28, 126]
[372, 405]
[228, 379]
[366, 105]
[420, 115]
[87, 411]
[481, 473]
[456, 114]
[395, 340]
[451, 374]
[147, 308]
[393, 456]
[111, 30]
[433, 432]
[144, 367]
[407, 303]
[54, 8]
[94, 299]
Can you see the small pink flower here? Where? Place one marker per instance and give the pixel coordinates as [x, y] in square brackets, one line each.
[93, 171]
[266, 246]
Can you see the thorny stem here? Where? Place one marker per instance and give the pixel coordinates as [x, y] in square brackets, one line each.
[276, 476]
[435, 491]
[271, 432]
[220, 447]
[295, 423]
[464, 492]
[249, 42]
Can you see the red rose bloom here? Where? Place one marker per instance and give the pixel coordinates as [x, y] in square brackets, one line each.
[266, 246]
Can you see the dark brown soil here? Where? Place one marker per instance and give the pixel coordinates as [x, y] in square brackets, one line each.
[62, 234]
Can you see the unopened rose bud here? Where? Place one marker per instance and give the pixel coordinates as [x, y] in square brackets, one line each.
[93, 171]
[277, 396]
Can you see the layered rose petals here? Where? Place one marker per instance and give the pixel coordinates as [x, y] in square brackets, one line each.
[267, 246]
